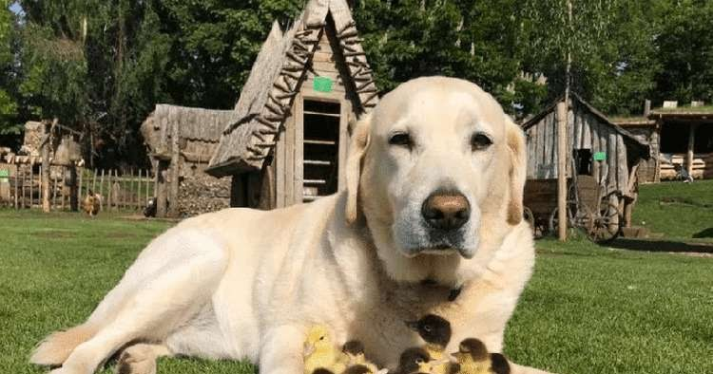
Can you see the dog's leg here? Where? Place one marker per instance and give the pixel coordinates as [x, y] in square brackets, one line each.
[140, 359]
[164, 302]
[281, 351]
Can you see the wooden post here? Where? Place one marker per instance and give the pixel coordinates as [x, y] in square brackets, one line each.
[109, 190]
[32, 182]
[73, 189]
[54, 192]
[94, 180]
[160, 188]
[45, 174]
[80, 171]
[562, 169]
[62, 188]
[17, 185]
[23, 188]
[101, 190]
[138, 191]
[691, 144]
[176, 170]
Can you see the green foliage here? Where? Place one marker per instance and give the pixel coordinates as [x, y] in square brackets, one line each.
[685, 46]
[8, 98]
[102, 66]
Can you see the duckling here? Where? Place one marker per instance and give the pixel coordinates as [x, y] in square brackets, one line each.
[436, 332]
[414, 360]
[322, 371]
[353, 354]
[319, 351]
[473, 358]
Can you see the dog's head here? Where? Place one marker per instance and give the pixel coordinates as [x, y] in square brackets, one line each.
[438, 170]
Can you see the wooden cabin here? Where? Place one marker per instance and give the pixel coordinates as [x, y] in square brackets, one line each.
[686, 141]
[590, 136]
[288, 144]
[180, 141]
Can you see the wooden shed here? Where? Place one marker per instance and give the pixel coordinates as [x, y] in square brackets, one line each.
[589, 133]
[686, 141]
[180, 141]
[288, 143]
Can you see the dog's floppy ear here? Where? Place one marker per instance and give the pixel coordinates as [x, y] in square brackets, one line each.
[517, 148]
[358, 144]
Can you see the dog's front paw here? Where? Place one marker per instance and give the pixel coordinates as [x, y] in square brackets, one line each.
[135, 363]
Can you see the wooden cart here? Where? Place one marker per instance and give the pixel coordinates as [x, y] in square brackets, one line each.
[589, 210]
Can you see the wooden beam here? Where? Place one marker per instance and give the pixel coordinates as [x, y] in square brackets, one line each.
[561, 169]
[175, 168]
[689, 153]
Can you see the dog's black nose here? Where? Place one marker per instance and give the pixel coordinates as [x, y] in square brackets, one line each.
[446, 210]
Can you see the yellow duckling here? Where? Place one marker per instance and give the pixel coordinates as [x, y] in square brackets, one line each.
[320, 352]
[436, 332]
[473, 358]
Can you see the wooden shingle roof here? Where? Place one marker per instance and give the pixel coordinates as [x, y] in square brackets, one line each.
[268, 94]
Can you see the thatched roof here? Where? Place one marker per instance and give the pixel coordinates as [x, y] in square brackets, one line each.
[577, 100]
[267, 97]
[194, 124]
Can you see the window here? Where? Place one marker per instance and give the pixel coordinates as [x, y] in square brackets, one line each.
[321, 149]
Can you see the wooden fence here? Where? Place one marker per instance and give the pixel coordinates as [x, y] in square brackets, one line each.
[69, 186]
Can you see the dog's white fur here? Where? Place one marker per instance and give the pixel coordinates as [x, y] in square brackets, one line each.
[242, 283]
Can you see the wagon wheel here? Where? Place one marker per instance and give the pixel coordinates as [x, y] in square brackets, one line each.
[578, 219]
[606, 226]
[529, 217]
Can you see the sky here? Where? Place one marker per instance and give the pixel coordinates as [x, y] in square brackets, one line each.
[15, 8]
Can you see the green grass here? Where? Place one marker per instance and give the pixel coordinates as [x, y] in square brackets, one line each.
[687, 109]
[680, 211]
[588, 309]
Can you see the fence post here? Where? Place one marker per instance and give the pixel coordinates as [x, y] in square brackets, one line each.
[138, 192]
[101, 190]
[17, 185]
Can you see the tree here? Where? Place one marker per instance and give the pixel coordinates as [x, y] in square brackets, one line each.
[685, 51]
[471, 40]
[8, 80]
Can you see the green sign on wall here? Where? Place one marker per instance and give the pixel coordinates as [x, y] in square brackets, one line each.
[600, 156]
[4, 174]
[322, 84]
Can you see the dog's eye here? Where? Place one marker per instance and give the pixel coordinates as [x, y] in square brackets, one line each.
[427, 328]
[402, 139]
[480, 141]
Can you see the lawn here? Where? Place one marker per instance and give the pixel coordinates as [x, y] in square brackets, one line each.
[588, 309]
[680, 211]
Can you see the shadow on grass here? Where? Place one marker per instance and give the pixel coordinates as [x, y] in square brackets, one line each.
[706, 233]
[661, 246]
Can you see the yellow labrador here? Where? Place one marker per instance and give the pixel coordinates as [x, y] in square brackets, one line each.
[431, 221]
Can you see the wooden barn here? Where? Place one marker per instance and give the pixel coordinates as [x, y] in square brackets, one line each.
[288, 142]
[180, 141]
[591, 136]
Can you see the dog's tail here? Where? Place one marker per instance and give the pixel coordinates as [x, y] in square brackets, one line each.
[55, 349]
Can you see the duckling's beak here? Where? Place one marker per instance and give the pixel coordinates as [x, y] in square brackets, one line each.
[457, 355]
[413, 325]
[308, 349]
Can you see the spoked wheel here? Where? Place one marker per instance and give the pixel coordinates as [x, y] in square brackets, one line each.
[579, 220]
[606, 226]
[528, 217]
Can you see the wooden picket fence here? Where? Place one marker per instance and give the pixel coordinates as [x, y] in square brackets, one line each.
[119, 191]
[130, 191]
